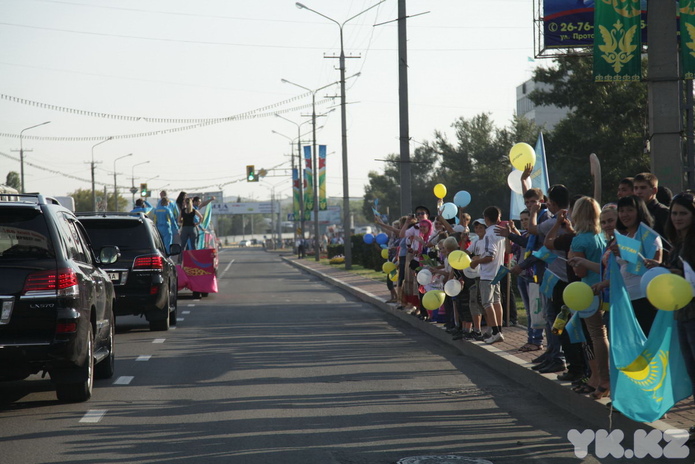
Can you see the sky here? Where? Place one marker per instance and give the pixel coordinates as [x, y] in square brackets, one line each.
[191, 88]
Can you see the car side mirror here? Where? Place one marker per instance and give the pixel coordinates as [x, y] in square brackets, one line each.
[109, 254]
[174, 249]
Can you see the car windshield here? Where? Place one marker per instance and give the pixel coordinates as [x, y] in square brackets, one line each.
[24, 235]
[125, 234]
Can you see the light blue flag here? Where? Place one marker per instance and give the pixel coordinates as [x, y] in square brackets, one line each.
[544, 254]
[648, 375]
[629, 247]
[647, 238]
[501, 272]
[539, 179]
[574, 330]
[550, 280]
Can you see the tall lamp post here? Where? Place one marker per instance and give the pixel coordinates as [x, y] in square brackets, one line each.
[315, 164]
[115, 186]
[94, 193]
[343, 116]
[21, 154]
[132, 179]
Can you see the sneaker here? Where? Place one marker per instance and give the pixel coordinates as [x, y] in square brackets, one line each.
[458, 335]
[487, 334]
[498, 337]
[472, 335]
[479, 337]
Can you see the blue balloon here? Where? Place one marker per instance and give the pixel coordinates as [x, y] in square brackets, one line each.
[368, 238]
[649, 275]
[382, 238]
[449, 210]
[462, 199]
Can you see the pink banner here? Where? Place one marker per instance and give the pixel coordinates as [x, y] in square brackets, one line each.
[200, 270]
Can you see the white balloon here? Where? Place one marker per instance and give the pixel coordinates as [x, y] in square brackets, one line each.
[424, 277]
[514, 181]
[471, 273]
[452, 287]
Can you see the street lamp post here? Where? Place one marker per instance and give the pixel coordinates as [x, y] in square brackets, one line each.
[132, 179]
[115, 186]
[315, 167]
[343, 116]
[94, 193]
[21, 154]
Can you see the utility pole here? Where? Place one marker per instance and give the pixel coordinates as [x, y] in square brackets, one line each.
[404, 136]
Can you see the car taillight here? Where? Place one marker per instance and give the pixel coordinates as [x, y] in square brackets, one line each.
[61, 281]
[148, 262]
[66, 327]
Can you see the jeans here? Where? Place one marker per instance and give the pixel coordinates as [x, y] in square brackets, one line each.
[535, 336]
[188, 232]
[554, 349]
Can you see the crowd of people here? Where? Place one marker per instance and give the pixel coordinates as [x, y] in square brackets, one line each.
[559, 238]
[177, 221]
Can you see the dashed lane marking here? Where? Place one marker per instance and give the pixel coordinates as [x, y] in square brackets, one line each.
[185, 312]
[93, 415]
[144, 357]
[124, 380]
[158, 340]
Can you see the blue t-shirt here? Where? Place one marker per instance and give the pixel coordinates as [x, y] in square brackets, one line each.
[593, 246]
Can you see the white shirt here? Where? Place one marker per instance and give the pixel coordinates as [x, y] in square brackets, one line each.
[493, 246]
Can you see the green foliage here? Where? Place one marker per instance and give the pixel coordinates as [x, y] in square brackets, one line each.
[366, 255]
[335, 250]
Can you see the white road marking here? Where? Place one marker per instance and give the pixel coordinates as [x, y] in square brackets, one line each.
[144, 357]
[93, 415]
[124, 380]
[158, 340]
[190, 305]
[226, 269]
[185, 312]
[179, 319]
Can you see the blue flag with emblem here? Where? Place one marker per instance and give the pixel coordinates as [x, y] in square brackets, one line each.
[544, 254]
[647, 375]
[574, 329]
[501, 272]
[548, 284]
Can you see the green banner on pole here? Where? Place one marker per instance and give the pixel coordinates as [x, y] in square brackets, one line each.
[686, 8]
[617, 41]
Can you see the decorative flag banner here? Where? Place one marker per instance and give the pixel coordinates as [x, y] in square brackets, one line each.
[647, 375]
[199, 270]
[687, 38]
[629, 247]
[574, 329]
[617, 41]
[309, 184]
[544, 254]
[549, 282]
[323, 204]
[296, 200]
[205, 224]
[635, 250]
[501, 273]
[539, 179]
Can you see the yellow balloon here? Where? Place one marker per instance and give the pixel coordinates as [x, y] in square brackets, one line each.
[522, 154]
[578, 296]
[433, 299]
[393, 275]
[388, 266]
[459, 259]
[440, 190]
[669, 292]
[385, 253]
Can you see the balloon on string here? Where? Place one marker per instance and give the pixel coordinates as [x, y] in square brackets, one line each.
[514, 181]
[649, 276]
[578, 296]
[440, 190]
[462, 199]
[424, 277]
[669, 292]
[471, 273]
[368, 239]
[388, 266]
[433, 299]
[382, 238]
[385, 253]
[449, 210]
[522, 154]
[393, 275]
[459, 259]
[453, 287]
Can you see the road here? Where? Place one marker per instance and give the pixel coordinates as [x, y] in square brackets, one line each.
[279, 367]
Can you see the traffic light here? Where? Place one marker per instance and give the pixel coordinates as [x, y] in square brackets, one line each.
[251, 175]
[143, 190]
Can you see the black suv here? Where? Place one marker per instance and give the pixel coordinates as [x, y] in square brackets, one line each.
[56, 303]
[144, 276]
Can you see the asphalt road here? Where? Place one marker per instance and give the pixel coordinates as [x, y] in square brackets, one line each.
[279, 367]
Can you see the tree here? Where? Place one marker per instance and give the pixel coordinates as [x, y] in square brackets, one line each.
[13, 180]
[609, 119]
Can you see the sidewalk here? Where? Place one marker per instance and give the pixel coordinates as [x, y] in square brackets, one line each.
[503, 357]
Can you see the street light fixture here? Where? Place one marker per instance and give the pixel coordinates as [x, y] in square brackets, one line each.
[315, 164]
[132, 179]
[94, 193]
[115, 186]
[21, 154]
[343, 115]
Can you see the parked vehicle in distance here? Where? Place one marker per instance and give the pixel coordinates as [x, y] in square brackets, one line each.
[56, 301]
[144, 277]
[245, 243]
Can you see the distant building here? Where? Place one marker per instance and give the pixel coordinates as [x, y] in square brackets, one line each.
[543, 116]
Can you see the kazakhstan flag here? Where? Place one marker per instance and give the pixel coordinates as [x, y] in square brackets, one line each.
[648, 375]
